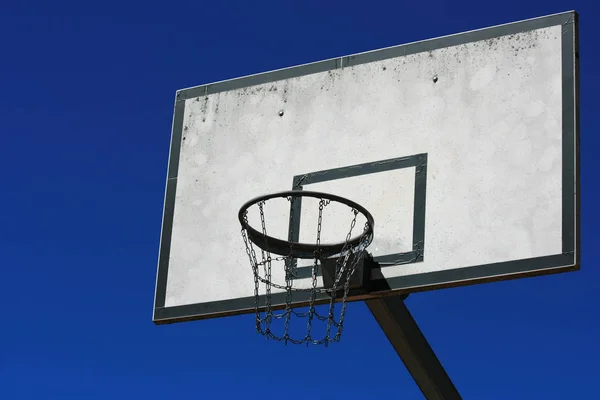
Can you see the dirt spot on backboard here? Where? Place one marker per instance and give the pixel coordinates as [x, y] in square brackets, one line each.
[204, 106]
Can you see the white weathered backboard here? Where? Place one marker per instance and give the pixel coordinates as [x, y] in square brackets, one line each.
[464, 149]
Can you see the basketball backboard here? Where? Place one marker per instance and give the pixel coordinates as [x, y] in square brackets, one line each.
[464, 148]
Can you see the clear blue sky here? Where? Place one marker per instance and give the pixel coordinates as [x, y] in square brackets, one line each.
[86, 100]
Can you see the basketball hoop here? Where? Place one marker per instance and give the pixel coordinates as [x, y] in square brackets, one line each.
[335, 262]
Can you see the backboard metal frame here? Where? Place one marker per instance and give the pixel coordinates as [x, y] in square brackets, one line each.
[567, 260]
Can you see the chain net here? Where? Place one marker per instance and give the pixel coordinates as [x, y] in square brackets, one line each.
[276, 324]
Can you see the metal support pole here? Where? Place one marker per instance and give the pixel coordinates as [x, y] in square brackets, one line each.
[407, 339]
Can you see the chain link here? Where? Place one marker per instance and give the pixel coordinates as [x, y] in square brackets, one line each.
[345, 266]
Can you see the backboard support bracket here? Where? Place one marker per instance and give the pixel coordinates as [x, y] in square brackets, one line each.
[359, 281]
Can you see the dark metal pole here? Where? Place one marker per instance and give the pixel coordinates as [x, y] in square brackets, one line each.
[407, 339]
